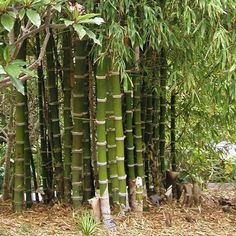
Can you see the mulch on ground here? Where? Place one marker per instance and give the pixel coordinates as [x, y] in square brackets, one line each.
[209, 220]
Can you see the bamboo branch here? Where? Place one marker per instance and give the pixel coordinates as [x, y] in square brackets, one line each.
[5, 82]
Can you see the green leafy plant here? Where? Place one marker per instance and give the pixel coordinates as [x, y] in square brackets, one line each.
[86, 224]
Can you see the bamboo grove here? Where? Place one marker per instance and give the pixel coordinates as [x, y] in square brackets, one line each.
[108, 89]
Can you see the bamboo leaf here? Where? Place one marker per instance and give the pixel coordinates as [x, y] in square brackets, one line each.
[34, 17]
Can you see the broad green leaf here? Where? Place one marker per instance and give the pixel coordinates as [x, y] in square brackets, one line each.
[21, 13]
[29, 72]
[6, 54]
[12, 13]
[7, 21]
[86, 17]
[13, 70]
[2, 71]
[34, 17]
[80, 30]
[19, 62]
[68, 22]
[92, 36]
[57, 7]
[96, 20]
[18, 85]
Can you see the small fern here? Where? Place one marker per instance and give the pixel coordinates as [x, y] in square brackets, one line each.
[86, 224]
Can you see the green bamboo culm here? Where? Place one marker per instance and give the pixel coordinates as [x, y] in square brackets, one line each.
[148, 136]
[120, 153]
[19, 154]
[143, 106]
[101, 73]
[155, 124]
[54, 119]
[27, 154]
[163, 81]
[172, 129]
[42, 122]
[138, 129]
[19, 162]
[78, 99]
[88, 183]
[130, 142]
[68, 125]
[111, 144]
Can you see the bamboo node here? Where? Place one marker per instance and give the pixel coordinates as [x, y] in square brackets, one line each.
[117, 96]
[102, 100]
[131, 165]
[113, 176]
[120, 138]
[100, 77]
[111, 145]
[122, 177]
[19, 104]
[100, 122]
[102, 143]
[103, 182]
[122, 194]
[129, 131]
[101, 163]
[20, 123]
[120, 158]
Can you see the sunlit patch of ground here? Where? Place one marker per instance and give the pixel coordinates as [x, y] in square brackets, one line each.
[166, 220]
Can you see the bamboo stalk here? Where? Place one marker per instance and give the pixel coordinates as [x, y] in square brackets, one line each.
[120, 155]
[54, 119]
[163, 81]
[172, 129]
[78, 99]
[68, 125]
[101, 73]
[27, 154]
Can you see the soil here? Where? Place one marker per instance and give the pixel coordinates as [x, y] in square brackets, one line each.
[169, 219]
